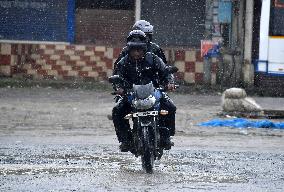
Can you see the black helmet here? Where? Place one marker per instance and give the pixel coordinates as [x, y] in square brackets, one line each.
[137, 39]
[144, 26]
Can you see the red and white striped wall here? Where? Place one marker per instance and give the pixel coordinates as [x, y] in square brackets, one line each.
[190, 65]
[63, 62]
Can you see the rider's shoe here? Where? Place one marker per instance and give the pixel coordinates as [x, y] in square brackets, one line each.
[167, 144]
[125, 147]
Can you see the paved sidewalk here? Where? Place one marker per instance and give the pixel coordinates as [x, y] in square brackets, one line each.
[270, 103]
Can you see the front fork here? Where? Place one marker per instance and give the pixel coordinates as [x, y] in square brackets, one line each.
[149, 123]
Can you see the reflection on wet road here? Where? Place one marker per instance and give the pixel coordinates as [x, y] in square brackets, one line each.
[61, 140]
[103, 168]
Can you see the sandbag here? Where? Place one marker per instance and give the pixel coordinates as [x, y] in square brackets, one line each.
[235, 100]
[235, 93]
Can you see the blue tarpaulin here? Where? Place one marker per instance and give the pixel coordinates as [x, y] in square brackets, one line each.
[243, 123]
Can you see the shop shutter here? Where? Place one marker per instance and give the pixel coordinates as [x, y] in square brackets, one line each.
[36, 20]
[176, 23]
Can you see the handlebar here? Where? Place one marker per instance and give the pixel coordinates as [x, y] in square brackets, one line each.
[159, 88]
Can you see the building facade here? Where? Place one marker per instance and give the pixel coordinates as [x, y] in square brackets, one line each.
[92, 34]
[82, 38]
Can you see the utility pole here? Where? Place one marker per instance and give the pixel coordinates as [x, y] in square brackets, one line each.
[137, 10]
[212, 33]
[248, 69]
[208, 35]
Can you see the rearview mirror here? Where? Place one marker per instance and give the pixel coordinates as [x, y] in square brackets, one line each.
[116, 79]
[172, 69]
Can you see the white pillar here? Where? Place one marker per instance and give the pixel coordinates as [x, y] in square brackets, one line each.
[137, 10]
[248, 69]
[264, 31]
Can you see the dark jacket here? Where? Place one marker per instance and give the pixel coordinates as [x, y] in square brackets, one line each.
[151, 47]
[150, 68]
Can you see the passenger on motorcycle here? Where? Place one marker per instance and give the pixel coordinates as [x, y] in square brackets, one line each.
[147, 28]
[141, 67]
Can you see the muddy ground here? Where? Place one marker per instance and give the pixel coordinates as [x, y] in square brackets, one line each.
[61, 140]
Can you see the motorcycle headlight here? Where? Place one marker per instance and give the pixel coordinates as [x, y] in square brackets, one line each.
[144, 104]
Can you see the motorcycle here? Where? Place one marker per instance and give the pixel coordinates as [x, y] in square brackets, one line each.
[148, 129]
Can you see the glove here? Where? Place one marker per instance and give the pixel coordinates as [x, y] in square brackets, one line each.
[171, 87]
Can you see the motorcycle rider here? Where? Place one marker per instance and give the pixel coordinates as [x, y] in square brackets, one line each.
[141, 67]
[147, 28]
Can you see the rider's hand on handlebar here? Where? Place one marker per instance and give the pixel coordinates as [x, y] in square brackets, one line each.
[171, 87]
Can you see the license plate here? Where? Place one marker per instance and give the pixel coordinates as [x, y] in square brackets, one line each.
[146, 113]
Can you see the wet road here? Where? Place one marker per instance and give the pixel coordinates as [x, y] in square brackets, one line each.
[61, 140]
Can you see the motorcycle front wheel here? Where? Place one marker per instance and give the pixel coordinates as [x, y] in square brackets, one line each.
[148, 155]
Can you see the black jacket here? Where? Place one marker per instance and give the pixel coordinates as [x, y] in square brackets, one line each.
[151, 47]
[150, 68]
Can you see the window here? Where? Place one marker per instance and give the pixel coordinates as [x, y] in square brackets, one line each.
[277, 18]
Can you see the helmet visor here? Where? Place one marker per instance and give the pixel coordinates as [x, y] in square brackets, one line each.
[137, 45]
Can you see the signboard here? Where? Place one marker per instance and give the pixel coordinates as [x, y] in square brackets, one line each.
[225, 11]
[37, 20]
[209, 48]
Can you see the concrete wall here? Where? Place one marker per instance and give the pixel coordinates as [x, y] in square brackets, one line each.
[69, 62]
